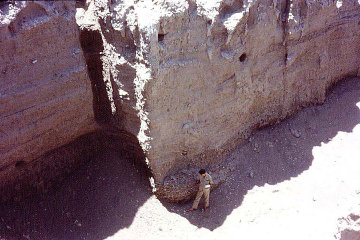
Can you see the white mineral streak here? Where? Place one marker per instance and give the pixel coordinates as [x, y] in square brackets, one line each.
[208, 9]
[231, 22]
[143, 76]
[8, 13]
[339, 3]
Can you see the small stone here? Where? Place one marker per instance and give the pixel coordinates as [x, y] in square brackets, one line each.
[251, 174]
[77, 223]
[295, 133]
[26, 236]
[33, 61]
[256, 148]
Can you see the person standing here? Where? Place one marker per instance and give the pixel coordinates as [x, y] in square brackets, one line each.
[205, 183]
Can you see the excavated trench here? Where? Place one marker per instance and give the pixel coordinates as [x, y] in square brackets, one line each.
[105, 158]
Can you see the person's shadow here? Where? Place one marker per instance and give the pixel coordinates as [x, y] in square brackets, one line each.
[276, 153]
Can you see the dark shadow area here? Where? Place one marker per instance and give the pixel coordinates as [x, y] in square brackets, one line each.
[242, 58]
[92, 45]
[94, 202]
[276, 153]
[161, 37]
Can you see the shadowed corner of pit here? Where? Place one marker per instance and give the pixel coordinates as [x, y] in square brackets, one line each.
[277, 153]
[94, 202]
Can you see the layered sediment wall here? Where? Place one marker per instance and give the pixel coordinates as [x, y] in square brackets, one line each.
[188, 79]
[45, 92]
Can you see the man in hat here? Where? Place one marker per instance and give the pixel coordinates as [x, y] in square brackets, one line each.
[205, 184]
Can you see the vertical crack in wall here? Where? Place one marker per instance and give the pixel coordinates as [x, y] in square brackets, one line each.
[92, 45]
[284, 17]
[117, 81]
[285, 10]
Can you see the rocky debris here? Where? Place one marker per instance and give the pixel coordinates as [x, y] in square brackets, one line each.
[77, 223]
[256, 148]
[295, 133]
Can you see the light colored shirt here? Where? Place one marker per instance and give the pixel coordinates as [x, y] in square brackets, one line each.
[205, 181]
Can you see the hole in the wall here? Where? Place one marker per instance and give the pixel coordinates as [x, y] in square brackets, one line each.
[242, 58]
[161, 37]
[19, 164]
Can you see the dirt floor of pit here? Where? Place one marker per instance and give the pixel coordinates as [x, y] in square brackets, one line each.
[299, 179]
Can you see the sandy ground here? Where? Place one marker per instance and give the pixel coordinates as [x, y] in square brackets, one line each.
[299, 179]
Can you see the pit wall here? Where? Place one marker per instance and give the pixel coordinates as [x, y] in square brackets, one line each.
[45, 92]
[200, 76]
[186, 81]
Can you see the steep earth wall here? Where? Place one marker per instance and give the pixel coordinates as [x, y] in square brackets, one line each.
[45, 92]
[191, 79]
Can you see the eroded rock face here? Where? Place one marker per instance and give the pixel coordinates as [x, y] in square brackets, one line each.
[45, 92]
[192, 79]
